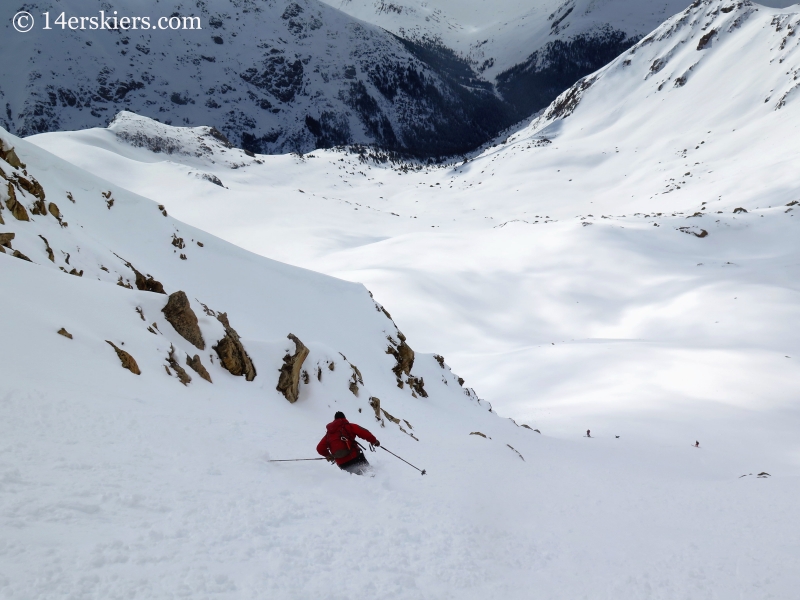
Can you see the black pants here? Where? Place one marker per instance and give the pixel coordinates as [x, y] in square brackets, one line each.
[357, 466]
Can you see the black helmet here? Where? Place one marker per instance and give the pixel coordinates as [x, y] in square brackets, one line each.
[339, 415]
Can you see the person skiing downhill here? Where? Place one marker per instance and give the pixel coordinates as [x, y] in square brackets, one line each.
[339, 445]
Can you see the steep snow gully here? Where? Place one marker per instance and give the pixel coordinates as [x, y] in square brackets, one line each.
[178, 312]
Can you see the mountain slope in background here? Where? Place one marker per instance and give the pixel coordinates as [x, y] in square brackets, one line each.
[273, 76]
[284, 76]
[531, 51]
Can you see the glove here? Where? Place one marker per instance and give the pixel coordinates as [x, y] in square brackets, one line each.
[330, 458]
[376, 444]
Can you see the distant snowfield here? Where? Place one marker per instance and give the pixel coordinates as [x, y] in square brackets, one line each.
[588, 273]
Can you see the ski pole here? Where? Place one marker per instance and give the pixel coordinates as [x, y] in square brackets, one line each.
[295, 459]
[403, 459]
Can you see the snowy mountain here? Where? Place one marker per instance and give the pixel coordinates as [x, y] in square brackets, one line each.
[283, 76]
[272, 76]
[531, 51]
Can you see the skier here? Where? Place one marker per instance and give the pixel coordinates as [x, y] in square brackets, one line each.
[697, 444]
[588, 433]
[339, 445]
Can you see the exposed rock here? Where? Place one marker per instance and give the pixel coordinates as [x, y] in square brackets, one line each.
[50, 254]
[33, 187]
[126, 359]
[140, 312]
[18, 254]
[124, 284]
[180, 315]
[39, 208]
[5, 239]
[390, 417]
[109, 199]
[17, 210]
[70, 197]
[461, 381]
[182, 375]
[375, 403]
[483, 435]
[517, 451]
[706, 39]
[289, 379]
[197, 367]
[416, 384]
[146, 284]
[65, 333]
[739, 210]
[7, 154]
[439, 359]
[162, 209]
[231, 352]
[403, 354]
[76, 272]
[355, 380]
[52, 208]
[178, 242]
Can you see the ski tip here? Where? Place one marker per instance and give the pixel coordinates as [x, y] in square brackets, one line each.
[424, 471]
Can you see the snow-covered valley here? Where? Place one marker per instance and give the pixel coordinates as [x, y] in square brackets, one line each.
[625, 263]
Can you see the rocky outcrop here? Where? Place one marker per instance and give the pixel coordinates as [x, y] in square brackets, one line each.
[355, 379]
[18, 254]
[517, 451]
[65, 333]
[49, 250]
[403, 354]
[197, 366]
[417, 385]
[33, 187]
[143, 283]
[7, 154]
[18, 211]
[375, 403]
[181, 373]
[231, 352]
[289, 379]
[52, 208]
[6, 238]
[148, 284]
[126, 359]
[178, 312]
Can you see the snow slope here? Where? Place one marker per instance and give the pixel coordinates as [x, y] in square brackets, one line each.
[579, 231]
[553, 273]
[117, 485]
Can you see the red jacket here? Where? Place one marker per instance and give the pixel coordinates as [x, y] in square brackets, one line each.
[333, 442]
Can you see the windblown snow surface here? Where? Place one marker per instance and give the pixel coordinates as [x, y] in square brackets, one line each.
[627, 263]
